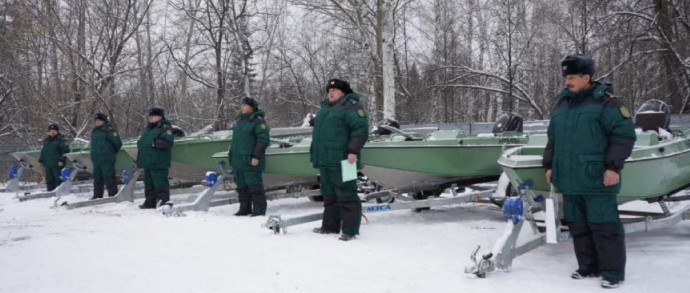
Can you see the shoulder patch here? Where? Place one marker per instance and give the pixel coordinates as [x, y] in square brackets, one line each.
[264, 126]
[115, 133]
[624, 111]
[168, 132]
[361, 113]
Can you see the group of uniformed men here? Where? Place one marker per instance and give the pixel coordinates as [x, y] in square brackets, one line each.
[589, 137]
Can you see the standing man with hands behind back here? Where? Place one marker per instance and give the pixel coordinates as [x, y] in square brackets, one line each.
[250, 137]
[340, 131]
[105, 143]
[154, 157]
[52, 156]
[590, 137]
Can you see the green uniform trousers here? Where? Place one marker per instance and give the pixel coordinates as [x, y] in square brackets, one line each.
[156, 187]
[342, 207]
[598, 234]
[104, 175]
[250, 191]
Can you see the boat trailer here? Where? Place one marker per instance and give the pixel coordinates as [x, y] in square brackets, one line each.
[67, 176]
[126, 193]
[278, 224]
[521, 208]
[14, 174]
[207, 198]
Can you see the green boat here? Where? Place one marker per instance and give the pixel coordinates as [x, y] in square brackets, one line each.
[192, 156]
[414, 162]
[30, 158]
[657, 166]
[287, 164]
[82, 158]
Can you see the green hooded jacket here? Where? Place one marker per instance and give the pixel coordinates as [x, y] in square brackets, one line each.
[105, 143]
[589, 133]
[250, 138]
[154, 146]
[340, 128]
[53, 151]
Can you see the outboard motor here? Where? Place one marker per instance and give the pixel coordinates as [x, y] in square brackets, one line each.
[652, 115]
[308, 120]
[508, 122]
[177, 131]
[388, 122]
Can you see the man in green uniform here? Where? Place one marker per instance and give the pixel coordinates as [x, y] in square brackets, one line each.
[153, 156]
[52, 156]
[590, 136]
[250, 137]
[105, 143]
[340, 131]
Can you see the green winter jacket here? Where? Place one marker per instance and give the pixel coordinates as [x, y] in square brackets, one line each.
[154, 146]
[105, 143]
[250, 137]
[340, 128]
[53, 151]
[589, 133]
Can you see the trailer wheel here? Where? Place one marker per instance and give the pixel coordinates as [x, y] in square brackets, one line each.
[422, 195]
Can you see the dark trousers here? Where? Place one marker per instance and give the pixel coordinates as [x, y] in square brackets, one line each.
[342, 207]
[251, 193]
[104, 175]
[52, 176]
[156, 187]
[598, 234]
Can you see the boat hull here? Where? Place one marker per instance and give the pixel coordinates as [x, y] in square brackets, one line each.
[650, 172]
[285, 167]
[401, 165]
[193, 156]
[122, 160]
[30, 158]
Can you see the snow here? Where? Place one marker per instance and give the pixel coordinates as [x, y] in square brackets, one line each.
[501, 187]
[119, 248]
[663, 134]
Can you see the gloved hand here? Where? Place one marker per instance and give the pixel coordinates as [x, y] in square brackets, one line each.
[161, 144]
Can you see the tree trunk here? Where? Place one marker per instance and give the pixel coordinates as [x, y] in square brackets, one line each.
[388, 61]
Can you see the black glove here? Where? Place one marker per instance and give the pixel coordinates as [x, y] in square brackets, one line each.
[161, 144]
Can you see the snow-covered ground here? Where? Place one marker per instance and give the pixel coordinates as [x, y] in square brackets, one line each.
[119, 248]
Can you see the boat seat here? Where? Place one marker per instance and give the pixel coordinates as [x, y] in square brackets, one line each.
[446, 134]
[647, 138]
[538, 139]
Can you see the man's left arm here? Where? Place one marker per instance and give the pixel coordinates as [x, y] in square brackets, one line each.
[620, 131]
[358, 125]
[263, 138]
[64, 148]
[114, 139]
[165, 139]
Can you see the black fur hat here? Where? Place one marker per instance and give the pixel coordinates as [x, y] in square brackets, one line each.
[577, 64]
[53, 126]
[157, 112]
[251, 102]
[339, 84]
[100, 116]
